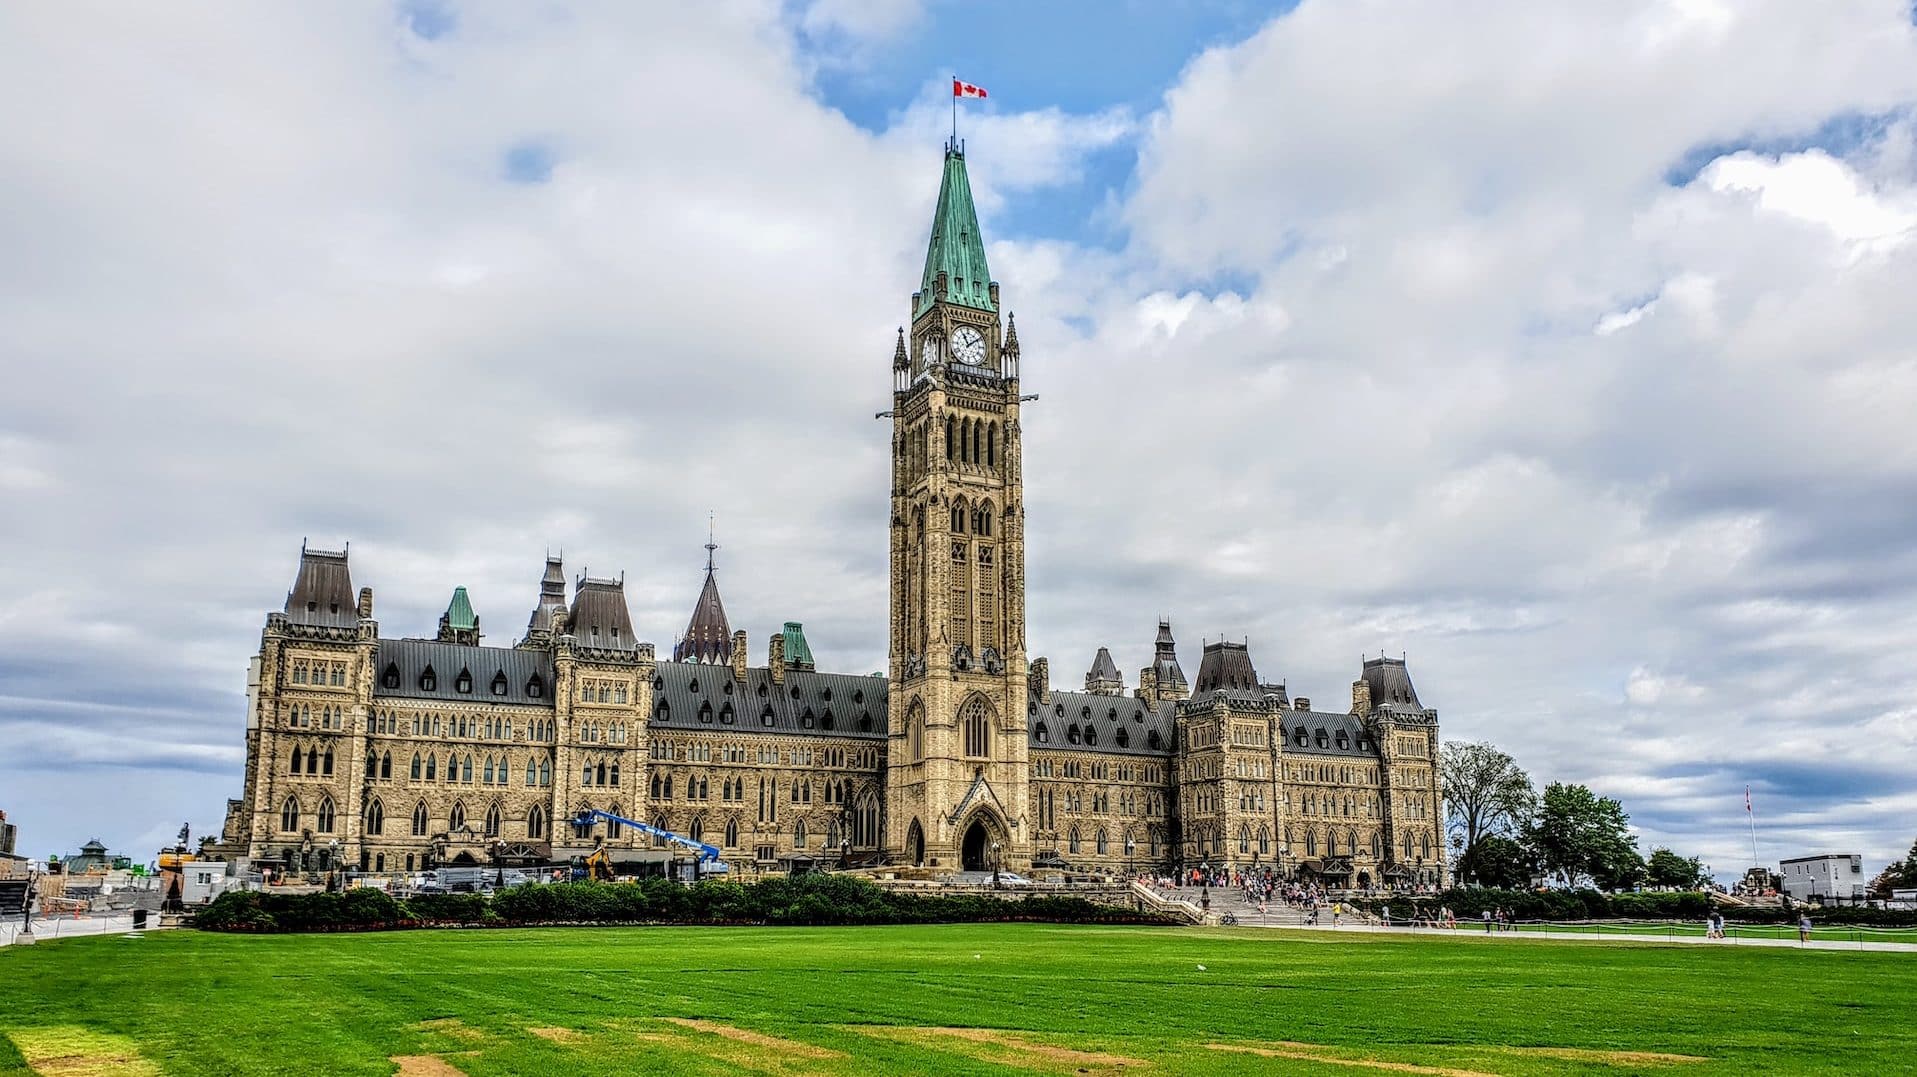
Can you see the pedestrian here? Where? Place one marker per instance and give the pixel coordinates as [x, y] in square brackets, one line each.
[1716, 930]
[1487, 921]
[1803, 928]
[1337, 913]
[1384, 913]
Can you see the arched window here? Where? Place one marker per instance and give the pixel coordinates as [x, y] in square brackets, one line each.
[1244, 838]
[489, 770]
[613, 827]
[416, 771]
[535, 823]
[327, 763]
[1100, 840]
[915, 732]
[372, 765]
[951, 438]
[732, 833]
[1264, 841]
[325, 824]
[386, 764]
[290, 815]
[545, 772]
[432, 768]
[375, 818]
[958, 519]
[419, 819]
[1311, 843]
[457, 820]
[659, 823]
[492, 821]
[798, 834]
[977, 729]
[466, 775]
[697, 831]
[532, 772]
[1071, 840]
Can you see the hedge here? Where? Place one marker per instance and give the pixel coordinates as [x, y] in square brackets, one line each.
[804, 899]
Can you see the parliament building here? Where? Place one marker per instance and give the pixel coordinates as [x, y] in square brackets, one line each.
[390, 754]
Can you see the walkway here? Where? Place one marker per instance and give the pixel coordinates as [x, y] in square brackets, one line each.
[1465, 932]
[46, 929]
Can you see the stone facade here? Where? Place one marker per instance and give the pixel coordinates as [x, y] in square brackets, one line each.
[395, 754]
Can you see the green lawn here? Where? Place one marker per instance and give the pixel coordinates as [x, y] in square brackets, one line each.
[936, 1000]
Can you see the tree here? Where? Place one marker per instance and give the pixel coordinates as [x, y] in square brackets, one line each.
[1485, 791]
[1581, 836]
[1498, 861]
[1897, 875]
[1666, 868]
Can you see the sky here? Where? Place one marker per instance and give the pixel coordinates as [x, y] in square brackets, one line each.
[1565, 349]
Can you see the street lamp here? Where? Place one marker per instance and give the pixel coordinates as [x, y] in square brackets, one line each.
[995, 865]
[1129, 846]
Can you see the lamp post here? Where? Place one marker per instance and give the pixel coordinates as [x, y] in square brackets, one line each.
[995, 865]
[1129, 846]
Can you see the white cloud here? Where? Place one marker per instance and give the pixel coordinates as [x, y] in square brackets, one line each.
[1624, 466]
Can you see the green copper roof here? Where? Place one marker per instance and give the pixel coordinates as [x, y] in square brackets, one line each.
[459, 614]
[956, 248]
[797, 651]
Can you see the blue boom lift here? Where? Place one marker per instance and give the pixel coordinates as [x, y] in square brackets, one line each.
[703, 853]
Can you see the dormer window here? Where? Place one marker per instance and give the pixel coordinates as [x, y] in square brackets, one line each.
[1091, 736]
[463, 684]
[1124, 739]
[693, 687]
[1323, 740]
[765, 716]
[390, 678]
[499, 683]
[826, 720]
[725, 715]
[428, 680]
[806, 718]
[1042, 734]
[1071, 734]
[535, 686]
[1343, 741]
[1153, 740]
[663, 711]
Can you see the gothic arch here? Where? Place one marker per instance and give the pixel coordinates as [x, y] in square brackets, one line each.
[915, 843]
[915, 732]
[976, 720]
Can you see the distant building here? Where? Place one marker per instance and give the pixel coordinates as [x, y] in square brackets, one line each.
[1830, 875]
[93, 857]
[10, 865]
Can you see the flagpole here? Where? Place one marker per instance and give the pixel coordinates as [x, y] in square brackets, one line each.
[955, 110]
[1750, 815]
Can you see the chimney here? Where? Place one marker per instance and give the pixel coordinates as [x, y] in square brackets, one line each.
[738, 656]
[1301, 704]
[365, 602]
[1041, 677]
[775, 658]
[1360, 698]
[1148, 684]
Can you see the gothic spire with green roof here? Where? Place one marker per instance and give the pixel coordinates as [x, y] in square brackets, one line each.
[955, 249]
[459, 624]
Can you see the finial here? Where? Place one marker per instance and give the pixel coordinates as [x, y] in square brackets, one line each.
[899, 358]
[711, 546]
[1011, 333]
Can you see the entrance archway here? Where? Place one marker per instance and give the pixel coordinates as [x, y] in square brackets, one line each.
[975, 851]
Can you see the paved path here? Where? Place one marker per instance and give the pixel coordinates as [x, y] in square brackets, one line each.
[46, 929]
[1463, 932]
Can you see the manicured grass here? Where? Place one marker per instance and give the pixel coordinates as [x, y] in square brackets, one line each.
[884, 999]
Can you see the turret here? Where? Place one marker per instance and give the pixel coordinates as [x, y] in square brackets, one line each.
[459, 624]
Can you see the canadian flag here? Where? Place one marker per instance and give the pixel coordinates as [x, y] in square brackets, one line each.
[966, 89]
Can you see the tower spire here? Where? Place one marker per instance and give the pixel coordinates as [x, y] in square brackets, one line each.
[711, 546]
[955, 268]
[708, 637]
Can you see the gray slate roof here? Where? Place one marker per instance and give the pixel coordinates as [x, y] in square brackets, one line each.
[599, 617]
[322, 594]
[1103, 668]
[1390, 683]
[409, 659]
[1121, 725]
[1322, 731]
[1226, 666]
[694, 695]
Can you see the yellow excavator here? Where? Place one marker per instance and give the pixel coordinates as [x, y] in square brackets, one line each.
[599, 865]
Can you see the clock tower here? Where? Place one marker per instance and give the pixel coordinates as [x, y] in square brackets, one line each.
[957, 774]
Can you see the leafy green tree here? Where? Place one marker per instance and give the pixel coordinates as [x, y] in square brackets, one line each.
[1485, 792]
[1897, 875]
[1580, 836]
[1666, 868]
[1498, 862]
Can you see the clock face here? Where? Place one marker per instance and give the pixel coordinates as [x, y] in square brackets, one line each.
[968, 345]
